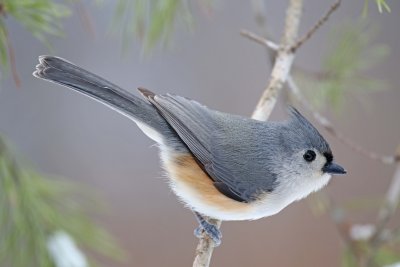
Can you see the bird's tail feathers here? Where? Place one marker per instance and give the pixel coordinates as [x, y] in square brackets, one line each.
[63, 72]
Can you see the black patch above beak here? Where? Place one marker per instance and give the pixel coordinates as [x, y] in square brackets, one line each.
[333, 168]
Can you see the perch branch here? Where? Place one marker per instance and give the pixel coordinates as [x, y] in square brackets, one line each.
[283, 62]
[205, 248]
[267, 102]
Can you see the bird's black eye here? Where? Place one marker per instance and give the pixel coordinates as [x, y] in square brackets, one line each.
[309, 155]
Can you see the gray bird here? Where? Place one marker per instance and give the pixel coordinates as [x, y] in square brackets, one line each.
[220, 165]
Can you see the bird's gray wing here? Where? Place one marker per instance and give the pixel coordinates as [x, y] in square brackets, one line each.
[220, 143]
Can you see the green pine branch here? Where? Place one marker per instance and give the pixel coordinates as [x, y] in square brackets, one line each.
[33, 207]
[152, 22]
[380, 4]
[40, 17]
[352, 54]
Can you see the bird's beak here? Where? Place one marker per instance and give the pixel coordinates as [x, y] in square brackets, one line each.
[333, 168]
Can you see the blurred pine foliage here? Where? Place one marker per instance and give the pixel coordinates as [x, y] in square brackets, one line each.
[152, 22]
[33, 207]
[353, 53]
[39, 17]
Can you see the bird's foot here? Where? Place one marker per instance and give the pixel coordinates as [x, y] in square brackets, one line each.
[210, 229]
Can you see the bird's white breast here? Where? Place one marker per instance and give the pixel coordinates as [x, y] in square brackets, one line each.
[293, 189]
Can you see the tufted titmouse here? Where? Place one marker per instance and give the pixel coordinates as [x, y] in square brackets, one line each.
[220, 165]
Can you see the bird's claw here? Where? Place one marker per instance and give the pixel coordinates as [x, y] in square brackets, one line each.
[211, 230]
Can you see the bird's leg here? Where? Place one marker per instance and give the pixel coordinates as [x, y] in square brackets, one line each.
[204, 226]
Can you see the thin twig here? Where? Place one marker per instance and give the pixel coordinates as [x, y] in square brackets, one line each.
[319, 23]
[315, 75]
[267, 102]
[259, 39]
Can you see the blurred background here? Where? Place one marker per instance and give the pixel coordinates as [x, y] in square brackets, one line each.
[62, 133]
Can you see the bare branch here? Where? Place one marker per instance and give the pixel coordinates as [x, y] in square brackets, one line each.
[259, 39]
[388, 209]
[283, 62]
[324, 122]
[319, 23]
